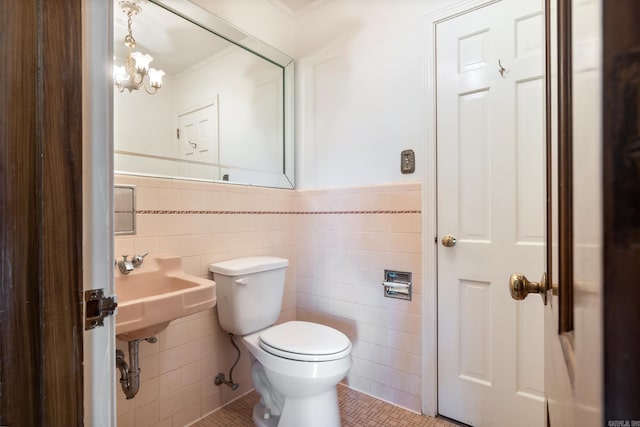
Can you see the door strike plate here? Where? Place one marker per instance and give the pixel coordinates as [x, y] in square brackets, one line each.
[97, 306]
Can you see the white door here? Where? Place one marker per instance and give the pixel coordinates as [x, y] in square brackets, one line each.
[198, 134]
[574, 338]
[490, 157]
[99, 348]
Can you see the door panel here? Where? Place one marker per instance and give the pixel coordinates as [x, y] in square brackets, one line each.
[473, 161]
[198, 134]
[475, 331]
[41, 207]
[530, 194]
[490, 114]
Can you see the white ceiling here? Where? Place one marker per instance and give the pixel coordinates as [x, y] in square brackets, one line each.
[294, 6]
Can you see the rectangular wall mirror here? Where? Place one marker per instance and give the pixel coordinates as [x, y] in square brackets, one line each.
[124, 211]
[224, 112]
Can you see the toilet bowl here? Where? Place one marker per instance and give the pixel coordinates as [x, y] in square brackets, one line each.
[297, 365]
[296, 369]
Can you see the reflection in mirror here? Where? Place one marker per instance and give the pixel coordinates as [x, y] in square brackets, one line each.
[223, 112]
[124, 202]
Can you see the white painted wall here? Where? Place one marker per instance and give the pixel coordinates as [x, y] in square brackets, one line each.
[360, 91]
[359, 83]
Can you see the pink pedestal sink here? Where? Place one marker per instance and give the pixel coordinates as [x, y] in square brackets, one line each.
[156, 293]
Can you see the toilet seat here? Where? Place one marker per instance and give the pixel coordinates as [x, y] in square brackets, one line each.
[305, 341]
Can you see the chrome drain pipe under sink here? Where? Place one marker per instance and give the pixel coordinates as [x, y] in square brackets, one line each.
[130, 373]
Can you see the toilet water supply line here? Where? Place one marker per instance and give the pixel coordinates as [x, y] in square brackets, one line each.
[219, 379]
[130, 374]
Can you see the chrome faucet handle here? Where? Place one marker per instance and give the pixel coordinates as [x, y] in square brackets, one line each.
[125, 266]
[138, 260]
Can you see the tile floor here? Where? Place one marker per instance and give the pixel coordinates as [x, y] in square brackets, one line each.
[356, 409]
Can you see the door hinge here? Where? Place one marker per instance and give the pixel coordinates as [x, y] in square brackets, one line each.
[97, 306]
[178, 133]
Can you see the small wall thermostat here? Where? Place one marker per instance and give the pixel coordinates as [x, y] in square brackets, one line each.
[407, 161]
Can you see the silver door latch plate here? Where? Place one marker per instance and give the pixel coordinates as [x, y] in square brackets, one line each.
[97, 306]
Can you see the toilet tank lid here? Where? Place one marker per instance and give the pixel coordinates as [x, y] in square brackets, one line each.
[241, 266]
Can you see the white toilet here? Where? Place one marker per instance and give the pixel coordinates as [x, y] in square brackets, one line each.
[297, 364]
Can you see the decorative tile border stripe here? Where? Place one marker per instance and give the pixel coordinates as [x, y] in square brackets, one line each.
[198, 212]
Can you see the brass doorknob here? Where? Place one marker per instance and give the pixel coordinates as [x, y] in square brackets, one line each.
[448, 241]
[520, 287]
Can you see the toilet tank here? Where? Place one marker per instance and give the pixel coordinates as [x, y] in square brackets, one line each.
[249, 292]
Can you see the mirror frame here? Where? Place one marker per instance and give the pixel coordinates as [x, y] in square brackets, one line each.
[210, 22]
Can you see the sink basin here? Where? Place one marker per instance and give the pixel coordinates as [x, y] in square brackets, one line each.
[156, 293]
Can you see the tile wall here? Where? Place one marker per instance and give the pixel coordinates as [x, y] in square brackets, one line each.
[338, 241]
[192, 219]
[342, 249]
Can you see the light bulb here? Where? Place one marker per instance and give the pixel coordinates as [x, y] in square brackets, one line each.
[119, 74]
[155, 77]
[142, 61]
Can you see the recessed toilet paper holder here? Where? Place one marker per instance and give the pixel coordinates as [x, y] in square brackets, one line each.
[397, 284]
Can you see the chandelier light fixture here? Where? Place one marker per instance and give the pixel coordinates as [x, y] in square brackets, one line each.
[131, 76]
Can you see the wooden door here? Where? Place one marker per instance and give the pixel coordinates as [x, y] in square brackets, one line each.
[41, 213]
[490, 115]
[621, 210]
